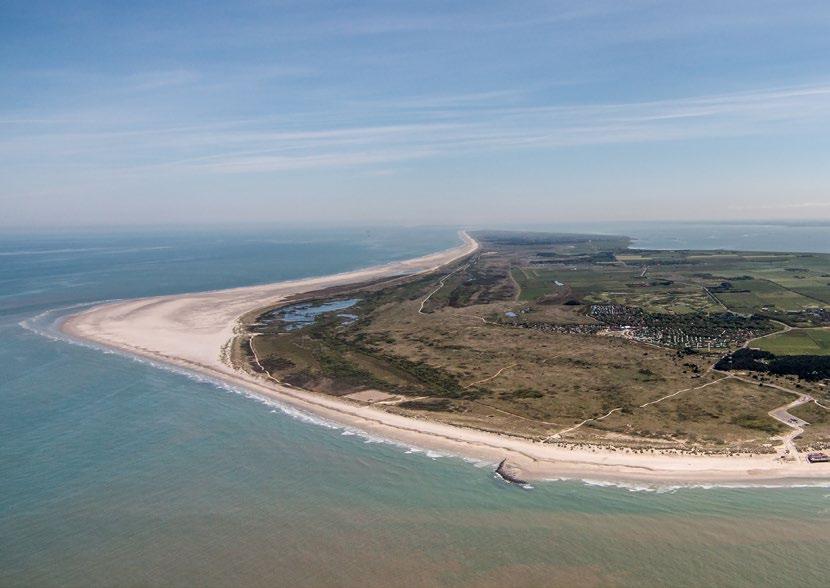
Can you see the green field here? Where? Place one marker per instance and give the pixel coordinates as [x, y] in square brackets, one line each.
[536, 283]
[752, 295]
[788, 287]
[798, 342]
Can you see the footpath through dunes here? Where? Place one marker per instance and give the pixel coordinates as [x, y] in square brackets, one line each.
[193, 331]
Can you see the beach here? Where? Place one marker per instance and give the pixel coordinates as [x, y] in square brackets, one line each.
[194, 331]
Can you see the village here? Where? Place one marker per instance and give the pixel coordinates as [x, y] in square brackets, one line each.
[699, 331]
[693, 330]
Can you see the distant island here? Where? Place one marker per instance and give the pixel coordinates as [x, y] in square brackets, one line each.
[564, 354]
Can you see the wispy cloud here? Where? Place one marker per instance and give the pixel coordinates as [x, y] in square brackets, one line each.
[441, 125]
[458, 129]
[154, 80]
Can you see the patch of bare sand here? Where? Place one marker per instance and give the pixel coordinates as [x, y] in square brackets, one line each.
[372, 396]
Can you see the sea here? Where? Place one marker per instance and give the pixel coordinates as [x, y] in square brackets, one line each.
[117, 472]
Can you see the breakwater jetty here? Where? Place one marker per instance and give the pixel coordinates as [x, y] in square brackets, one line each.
[505, 472]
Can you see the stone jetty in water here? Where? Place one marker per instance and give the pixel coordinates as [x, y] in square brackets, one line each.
[507, 474]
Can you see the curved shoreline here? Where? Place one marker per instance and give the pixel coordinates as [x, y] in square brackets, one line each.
[192, 332]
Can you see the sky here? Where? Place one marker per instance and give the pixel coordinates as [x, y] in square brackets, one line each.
[416, 112]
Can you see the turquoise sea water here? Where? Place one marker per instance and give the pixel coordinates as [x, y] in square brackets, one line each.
[116, 473]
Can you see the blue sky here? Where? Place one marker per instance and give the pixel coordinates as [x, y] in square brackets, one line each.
[413, 112]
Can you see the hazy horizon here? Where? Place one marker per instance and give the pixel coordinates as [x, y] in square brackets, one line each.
[597, 227]
[474, 113]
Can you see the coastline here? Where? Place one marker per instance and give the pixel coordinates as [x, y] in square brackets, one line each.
[193, 331]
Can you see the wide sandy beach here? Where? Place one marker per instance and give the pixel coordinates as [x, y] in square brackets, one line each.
[193, 331]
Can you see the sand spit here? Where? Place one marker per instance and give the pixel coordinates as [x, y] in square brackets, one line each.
[193, 331]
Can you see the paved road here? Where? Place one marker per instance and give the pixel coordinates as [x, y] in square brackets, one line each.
[784, 329]
[782, 415]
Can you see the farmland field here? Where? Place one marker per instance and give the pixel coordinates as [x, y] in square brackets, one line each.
[798, 342]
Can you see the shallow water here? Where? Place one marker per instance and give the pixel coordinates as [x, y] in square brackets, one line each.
[115, 472]
[297, 316]
[754, 236]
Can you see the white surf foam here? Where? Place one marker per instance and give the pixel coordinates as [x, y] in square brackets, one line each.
[670, 488]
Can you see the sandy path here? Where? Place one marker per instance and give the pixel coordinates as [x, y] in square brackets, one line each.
[438, 288]
[192, 331]
[493, 377]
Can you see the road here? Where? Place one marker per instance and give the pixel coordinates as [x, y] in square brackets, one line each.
[493, 377]
[797, 425]
[784, 329]
[441, 285]
[782, 414]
